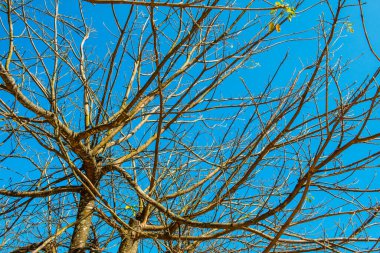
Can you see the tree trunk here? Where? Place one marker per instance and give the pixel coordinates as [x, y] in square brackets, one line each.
[82, 229]
[130, 241]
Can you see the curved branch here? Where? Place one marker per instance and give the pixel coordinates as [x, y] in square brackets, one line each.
[40, 194]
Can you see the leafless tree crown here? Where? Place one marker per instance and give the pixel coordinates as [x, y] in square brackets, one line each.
[194, 126]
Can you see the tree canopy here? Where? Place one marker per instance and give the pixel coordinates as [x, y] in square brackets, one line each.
[188, 126]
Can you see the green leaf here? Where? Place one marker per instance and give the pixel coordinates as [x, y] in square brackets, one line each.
[309, 198]
[349, 27]
[291, 12]
[285, 8]
[132, 209]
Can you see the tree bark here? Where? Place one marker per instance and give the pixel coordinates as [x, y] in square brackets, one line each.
[50, 248]
[84, 218]
[130, 241]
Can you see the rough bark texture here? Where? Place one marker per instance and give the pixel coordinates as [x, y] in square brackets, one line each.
[50, 248]
[82, 229]
[130, 241]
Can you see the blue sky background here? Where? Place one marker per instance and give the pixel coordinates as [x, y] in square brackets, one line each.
[350, 46]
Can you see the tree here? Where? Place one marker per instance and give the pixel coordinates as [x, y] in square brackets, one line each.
[150, 126]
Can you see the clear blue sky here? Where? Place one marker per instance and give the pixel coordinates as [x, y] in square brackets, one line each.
[353, 47]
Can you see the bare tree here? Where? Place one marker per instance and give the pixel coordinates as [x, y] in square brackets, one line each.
[150, 126]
